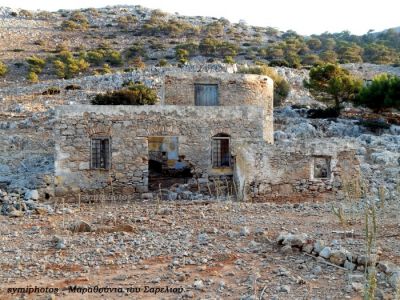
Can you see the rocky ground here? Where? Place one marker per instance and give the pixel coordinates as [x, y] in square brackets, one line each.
[210, 250]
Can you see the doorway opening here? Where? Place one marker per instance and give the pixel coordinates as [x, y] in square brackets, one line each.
[166, 166]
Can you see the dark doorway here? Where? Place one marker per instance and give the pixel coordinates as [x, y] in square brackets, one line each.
[166, 166]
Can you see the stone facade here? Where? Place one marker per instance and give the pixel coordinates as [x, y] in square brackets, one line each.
[233, 90]
[286, 172]
[129, 128]
[138, 135]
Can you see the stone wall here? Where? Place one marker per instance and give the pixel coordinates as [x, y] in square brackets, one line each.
[233, 90]
[284, 172]
[129, 128]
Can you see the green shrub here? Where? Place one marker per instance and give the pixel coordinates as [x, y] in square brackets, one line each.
[134, 94]
[52, 91]
[3, 69]
[36, 64]
[182, 55]
[214, 29]
[213, 47]
[61, 47]
[69, 25]
[310, 60]
[104, 55]
[374, 126]
[73, 87]
[106, 69]
[135, 50]
[32, 77]
[44, 15]
[126, 22]
[190, 47]
[25, 14]
[281, 86]
[382, 92]
[328, 56]
[67, 66]
[158, 26]
[162, 63]
[77, 21]
[229, 60]
[320, 113]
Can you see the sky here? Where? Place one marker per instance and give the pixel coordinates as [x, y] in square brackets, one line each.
[304, 16]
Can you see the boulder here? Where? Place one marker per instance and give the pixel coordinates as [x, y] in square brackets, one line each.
[80, 226]
[394, 280]
[365, 260]
[31, 195]
[308, 248]
[296, 240]
[386, 266]
[338, 257]
[319, 245]
[349, 265]
[325, 253]
[16, 214]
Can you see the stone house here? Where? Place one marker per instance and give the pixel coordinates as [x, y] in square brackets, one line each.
[214, 125]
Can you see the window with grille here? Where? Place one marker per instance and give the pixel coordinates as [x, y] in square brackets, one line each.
[100, 156]
[221, 156]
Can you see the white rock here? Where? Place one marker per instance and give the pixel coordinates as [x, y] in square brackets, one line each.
[325, 253]
[31, 195]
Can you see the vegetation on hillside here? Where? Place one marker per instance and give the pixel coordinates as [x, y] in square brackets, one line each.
[382, 92]
[3, 69]
[333, 82]
[130, 94]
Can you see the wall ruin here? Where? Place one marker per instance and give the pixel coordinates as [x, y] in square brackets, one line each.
[129, 128]
[285, 172]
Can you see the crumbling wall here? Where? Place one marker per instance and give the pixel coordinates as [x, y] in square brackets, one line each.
[233, 90]
[129, 128]
[284, 173]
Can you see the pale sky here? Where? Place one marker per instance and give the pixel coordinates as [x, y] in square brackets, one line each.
[303, 16]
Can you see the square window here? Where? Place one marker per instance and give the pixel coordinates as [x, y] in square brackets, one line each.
[206, 94]
[322, 167]
[100, 153]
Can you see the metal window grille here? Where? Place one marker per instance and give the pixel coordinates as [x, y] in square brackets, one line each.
[220, 152]
[100, 153]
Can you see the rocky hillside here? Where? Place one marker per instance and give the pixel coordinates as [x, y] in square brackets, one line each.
[78, 43]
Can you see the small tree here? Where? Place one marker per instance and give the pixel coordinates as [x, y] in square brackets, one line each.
[383, 92]
[333, 82]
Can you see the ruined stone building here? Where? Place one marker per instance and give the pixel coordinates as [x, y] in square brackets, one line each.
[215, 125]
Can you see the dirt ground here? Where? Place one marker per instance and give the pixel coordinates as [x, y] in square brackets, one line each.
[199, 250]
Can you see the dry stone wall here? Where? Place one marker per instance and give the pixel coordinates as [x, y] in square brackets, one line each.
[284, 172]
[129, 128]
